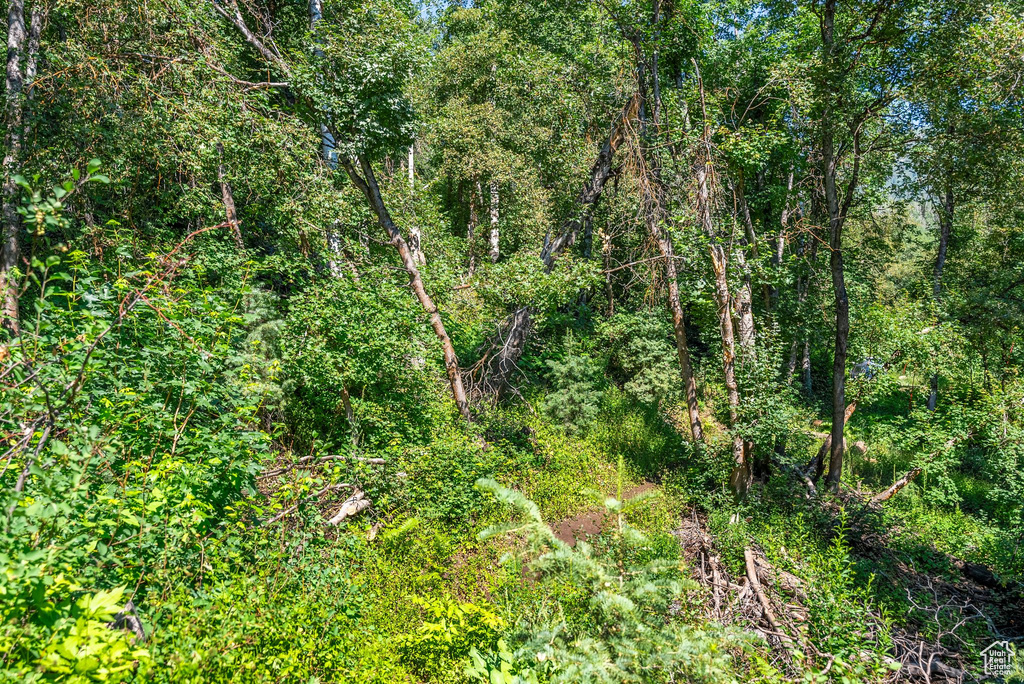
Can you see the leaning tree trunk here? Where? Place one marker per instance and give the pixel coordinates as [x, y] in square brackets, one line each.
[229, 200]
[367, 183]
[14, 119]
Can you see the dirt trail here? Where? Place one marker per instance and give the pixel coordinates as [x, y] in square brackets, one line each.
[592, 521]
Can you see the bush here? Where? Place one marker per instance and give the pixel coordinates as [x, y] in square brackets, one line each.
[576, 398]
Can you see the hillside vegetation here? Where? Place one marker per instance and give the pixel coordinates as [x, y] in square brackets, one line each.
[513, 341]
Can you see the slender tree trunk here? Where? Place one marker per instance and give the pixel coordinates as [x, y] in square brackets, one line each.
[415, 233]
[475, 193]
[837, 216]
[946, 213]
[742, 474]
[14, 113]
[367, 183]
[229, 200]
[745, 297]
[495, 236]
[805, 366]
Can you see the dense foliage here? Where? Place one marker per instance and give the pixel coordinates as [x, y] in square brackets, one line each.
[507, 341]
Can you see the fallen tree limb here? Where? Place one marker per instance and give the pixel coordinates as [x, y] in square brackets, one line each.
[914, 472]
[755, 584]
[352, 505]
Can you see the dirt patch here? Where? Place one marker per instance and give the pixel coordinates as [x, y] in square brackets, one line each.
[582, 526]
[592, 522]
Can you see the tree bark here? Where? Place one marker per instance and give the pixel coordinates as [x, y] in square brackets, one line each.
[679, 331]
[367, 183]
[415, 233]
[229, 200]
[745, 297]
[14, 115]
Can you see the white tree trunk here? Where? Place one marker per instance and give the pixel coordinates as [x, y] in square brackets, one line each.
[495, 234]
[9, 253]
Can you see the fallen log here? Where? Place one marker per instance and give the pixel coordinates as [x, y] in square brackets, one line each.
[317, 495]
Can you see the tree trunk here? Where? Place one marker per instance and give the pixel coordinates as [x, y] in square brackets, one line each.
[946, 210]
[415, 233]
[745, 297]
[229, 200]
[14, 112]
[742, 474]
[475, 193]
[842, 304]
[837, 216]
[495, 235]
[600, 172]
[416, 245]
[368, 185]
[805, 366]
[679, 330]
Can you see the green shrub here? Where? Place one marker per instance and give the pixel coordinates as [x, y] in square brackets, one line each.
[448, 634]
[576, 398]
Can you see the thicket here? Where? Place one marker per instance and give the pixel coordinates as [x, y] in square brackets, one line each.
[395, 342]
